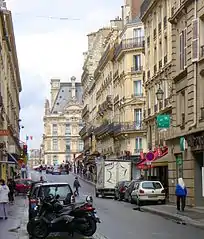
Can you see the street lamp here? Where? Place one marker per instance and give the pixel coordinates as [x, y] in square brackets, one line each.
[160, 94]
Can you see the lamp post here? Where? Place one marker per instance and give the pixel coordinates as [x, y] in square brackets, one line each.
[160, 94]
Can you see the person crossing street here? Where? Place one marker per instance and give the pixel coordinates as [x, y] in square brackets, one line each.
[76, 186]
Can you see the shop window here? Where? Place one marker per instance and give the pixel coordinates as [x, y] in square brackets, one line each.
[179, 165]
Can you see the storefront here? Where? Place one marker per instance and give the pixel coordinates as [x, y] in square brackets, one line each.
[196, 144]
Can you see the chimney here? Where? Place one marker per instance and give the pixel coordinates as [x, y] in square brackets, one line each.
[73, 78]
[135, 8]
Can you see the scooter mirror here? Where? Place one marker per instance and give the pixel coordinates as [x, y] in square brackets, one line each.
[89, 199]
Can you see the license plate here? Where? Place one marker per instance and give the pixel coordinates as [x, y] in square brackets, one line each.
[152, 196]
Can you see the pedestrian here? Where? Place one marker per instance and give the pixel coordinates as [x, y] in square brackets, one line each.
[12, 186]
[76, 186]
[4, 191]
[181, 193]
[41, 179]
[23, 171]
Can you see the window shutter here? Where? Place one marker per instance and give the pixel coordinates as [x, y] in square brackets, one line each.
[195, 39]
[181, 51]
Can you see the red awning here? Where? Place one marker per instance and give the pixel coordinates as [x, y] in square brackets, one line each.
[158, 153]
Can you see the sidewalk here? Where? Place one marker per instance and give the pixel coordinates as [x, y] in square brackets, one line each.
[191, 216]
[9, 228]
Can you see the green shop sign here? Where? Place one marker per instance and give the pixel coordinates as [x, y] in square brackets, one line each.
[163, 121]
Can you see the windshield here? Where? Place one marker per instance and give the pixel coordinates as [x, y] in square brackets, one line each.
[151, 185]
[61, 190]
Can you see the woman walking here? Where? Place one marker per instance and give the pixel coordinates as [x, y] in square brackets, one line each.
[181, 193]
[4, 191]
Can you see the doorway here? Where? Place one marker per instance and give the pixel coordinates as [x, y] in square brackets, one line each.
[199, 163]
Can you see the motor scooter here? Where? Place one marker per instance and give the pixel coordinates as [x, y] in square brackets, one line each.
[54, 217]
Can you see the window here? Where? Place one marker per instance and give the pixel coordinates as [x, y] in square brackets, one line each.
[61, 190]
[68, 158]
[138, 88]
[138, 116]
[67, 129]
[55, 144]
[55, 160]
[54, 129]
[81, 145]
[183, 48]
[68, 145]
[138, 144]
[80, 126]
[151, 185]
[182, 108]
[195, 39]
[137, 62]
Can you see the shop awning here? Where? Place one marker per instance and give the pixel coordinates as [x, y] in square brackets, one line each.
[12, 158]
[162, 161]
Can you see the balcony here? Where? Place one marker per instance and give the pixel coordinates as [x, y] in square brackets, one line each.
[83, 131]
[127, 44]
[129, 127]
[202, 51]
[85, 111]
[136, 69]
[105, 128]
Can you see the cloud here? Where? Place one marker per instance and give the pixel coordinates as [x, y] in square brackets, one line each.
[52, 48]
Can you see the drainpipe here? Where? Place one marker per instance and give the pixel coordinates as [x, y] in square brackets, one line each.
[194, 81]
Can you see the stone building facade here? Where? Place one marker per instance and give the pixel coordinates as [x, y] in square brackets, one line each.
[62, 122]
[186, 139]
[10, 88]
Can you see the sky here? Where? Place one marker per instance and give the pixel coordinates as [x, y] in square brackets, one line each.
[48, 48]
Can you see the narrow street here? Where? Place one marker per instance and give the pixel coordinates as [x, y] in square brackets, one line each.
[120, 221]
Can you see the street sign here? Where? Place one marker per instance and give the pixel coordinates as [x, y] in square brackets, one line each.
[150, 156]
[163, 121]
[182, 144]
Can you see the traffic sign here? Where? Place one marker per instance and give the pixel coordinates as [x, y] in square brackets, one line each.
[150, 156]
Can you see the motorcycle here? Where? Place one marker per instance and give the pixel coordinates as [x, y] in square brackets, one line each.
[54, 217]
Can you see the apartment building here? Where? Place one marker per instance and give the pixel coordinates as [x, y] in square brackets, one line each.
[35, 158]
[62, 122]
[10, 87]
[157, 81]
[186, 140]
[96, 41]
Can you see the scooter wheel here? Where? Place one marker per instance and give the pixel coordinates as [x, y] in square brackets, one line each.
[39, 229]
[91, 228]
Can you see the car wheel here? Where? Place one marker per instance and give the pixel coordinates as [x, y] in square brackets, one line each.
[130, 199]
[119, 197]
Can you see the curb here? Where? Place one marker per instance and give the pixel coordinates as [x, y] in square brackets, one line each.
[175, 217]
[85, 180]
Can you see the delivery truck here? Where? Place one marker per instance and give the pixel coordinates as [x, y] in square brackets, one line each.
[109, 173]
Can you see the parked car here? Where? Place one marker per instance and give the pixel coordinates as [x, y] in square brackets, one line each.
[120, 189]
[42, 190]
[49, 170]
[56, 170]
[22, 185]
[128, 191]
[148, 191]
